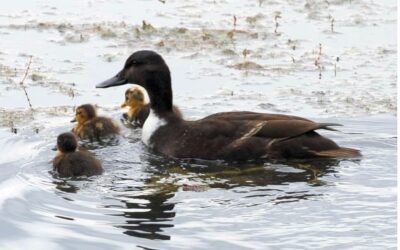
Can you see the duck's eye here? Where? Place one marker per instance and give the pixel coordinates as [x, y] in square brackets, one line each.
[136, 63]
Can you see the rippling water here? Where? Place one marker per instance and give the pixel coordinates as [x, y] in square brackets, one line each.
[145, 201]
[153, 202]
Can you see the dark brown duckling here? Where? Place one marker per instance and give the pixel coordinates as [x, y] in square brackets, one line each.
[231, 136]
[90, 126]
[138, 109]
[70, 162]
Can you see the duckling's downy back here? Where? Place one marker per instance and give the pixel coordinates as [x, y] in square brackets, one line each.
[93, 127]
[75, 164]
[72, 163]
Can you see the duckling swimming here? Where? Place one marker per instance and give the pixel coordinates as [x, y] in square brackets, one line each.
[139, 108]
[90, 126]
[72, 163]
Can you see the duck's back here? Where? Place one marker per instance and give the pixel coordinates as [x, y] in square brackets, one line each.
[75, 164]
[252, 116]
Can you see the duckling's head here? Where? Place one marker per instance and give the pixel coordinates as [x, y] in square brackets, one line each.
[67, 143]
[84, 113]
[134, 98]
[143, 67]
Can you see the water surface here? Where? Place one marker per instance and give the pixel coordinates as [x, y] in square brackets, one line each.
[332, 61]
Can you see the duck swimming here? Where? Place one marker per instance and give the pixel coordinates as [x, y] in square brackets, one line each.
[72, 163]
[90, 126]
[230, 136]
[138, 109]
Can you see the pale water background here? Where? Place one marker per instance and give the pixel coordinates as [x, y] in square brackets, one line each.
[280, 57]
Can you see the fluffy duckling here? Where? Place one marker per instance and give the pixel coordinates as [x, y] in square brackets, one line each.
[139, 108]
[90, 126]
[72, 163]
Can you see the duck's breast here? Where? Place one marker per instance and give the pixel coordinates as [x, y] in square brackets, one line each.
[151, 125]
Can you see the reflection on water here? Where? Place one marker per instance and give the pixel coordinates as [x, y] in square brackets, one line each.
[148, 209]
[154, 214]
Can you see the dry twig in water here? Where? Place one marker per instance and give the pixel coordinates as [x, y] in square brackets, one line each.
[22, 82]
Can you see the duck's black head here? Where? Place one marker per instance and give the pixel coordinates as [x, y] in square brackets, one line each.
[138, 68]
[149, 70]
[66, 142]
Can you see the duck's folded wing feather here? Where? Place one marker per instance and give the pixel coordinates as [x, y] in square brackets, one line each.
[285, 129]
[252, 116]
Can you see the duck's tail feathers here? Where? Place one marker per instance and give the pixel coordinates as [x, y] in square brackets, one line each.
[339, 152]
[327, 126]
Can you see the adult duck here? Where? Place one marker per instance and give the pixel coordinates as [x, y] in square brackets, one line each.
[231, 136]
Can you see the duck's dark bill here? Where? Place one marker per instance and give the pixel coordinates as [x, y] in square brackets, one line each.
[113, 81]
[73, 120]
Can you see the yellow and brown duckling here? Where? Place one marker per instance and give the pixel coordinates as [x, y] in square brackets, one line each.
[90, 126]
[139, 108]
[70, 162]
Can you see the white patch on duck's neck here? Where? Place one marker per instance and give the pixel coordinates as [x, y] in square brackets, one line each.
[152, 123]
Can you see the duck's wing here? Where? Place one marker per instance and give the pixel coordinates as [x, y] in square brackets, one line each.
[252, 116]
[285, 129]
[245, 129]
[287, 138]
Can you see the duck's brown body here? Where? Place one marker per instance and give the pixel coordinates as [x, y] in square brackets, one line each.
[231, 136]
[72, 163]
[241, 139]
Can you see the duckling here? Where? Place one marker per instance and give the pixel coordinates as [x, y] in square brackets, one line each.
[70, 162]
[90, 126]
[139, 109]
[230, 136]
